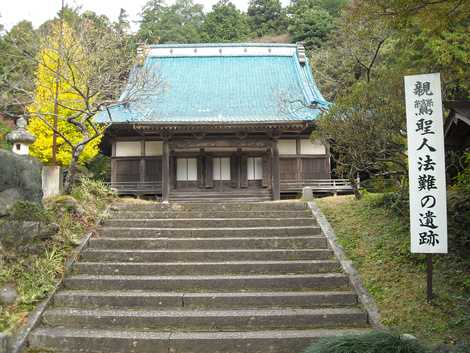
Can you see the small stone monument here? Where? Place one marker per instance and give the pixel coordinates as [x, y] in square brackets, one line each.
[21, 138]
[307, 194]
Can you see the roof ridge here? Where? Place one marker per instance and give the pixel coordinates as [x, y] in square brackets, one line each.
[211, 45]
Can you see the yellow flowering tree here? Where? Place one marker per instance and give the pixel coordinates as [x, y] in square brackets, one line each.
[82, 67]
[61, 78]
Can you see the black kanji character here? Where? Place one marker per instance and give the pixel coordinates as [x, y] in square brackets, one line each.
[426, 164]
[428, 238]
[423, 88]
[426, 182]
[425, 143]
[424, 126]
[427, 220]
[424, 106]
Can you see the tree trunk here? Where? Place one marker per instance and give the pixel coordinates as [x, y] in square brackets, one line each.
[70, 179]
[353, 181]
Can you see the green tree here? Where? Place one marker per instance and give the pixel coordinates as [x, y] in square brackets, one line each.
[179, 23]
[334, 7]
[225, 23]
[266, 17]
[311, 26]
[122, 24]
[366, 128]
[14, 66]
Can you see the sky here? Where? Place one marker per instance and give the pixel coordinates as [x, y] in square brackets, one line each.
[38, 11]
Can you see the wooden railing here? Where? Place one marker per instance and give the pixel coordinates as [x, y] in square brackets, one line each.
[317, 185]
[136, 187]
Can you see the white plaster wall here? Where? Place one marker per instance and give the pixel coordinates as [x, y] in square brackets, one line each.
[307, 147]
[128, 148]
[153, 148]
[287, 147]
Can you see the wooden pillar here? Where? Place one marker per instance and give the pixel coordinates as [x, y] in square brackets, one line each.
[166, 171]
[276, 171]
[142, 162]
[200, 168]
[235, 170]
[243, 171]
[113, 163]
[208, 180]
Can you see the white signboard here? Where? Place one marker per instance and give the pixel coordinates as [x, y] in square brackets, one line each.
[428, 207]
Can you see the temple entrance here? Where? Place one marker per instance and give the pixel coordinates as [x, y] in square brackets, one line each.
[220, 170]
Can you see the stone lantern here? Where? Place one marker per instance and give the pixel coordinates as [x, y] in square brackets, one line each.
[20, 138]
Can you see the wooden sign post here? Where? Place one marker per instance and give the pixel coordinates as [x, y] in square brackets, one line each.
[428, 206]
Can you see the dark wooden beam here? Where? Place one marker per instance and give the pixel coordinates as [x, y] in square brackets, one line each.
[251, 143]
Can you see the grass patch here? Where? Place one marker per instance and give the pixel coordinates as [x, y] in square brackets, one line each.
[35, 269]
[373, 342]
[377, 241]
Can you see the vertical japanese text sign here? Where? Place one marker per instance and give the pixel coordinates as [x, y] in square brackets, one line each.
[428, 209]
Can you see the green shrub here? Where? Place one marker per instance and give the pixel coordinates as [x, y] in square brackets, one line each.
[100, 167]
[380, 184]
[397, 202]
[458, 219]
[373, 342]
[29, 211]
[88, 189]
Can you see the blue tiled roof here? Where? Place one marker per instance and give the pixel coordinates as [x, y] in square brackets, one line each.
[244, 89]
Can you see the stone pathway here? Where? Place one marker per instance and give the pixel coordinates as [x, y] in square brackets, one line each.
[202, 278]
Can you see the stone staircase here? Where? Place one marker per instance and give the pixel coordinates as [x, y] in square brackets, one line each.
[202, 278]
[225, 196]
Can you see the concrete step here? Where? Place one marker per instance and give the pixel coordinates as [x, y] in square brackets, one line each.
[206, 268]
[208, 232]
[234, 300]
[204, 255]
[206, 320]
[289, 242]
[224, 200]
[207, 206]
[126, 341]
[209, 222]
[223, 283]
[128, 214]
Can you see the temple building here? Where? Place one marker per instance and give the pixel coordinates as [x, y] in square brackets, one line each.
[229, 121]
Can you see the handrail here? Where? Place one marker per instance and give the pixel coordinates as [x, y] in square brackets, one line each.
[316, 184]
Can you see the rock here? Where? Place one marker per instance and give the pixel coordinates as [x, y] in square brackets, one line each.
[8, 295]
[22, 173]
[47, 231]
[442, 348]
[407, 336]
[3, 343]
[8, 198]
[65, 203]
[15, 233]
